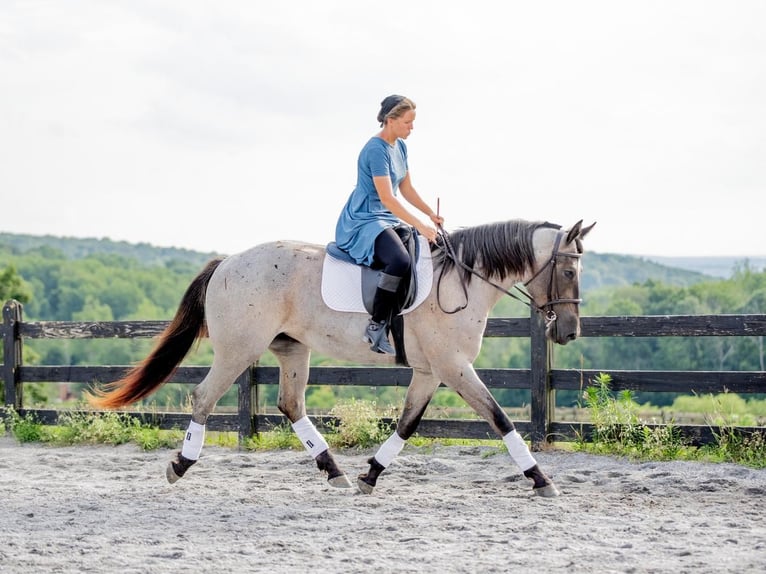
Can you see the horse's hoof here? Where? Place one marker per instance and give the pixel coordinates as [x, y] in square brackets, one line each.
[364, 487]
[170, 474]
[335, 476]
[340, 481]
[547, 491]
[543, 486]
[178, 467]
[366, 482]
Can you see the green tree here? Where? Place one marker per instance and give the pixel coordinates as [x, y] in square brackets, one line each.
[13, 286]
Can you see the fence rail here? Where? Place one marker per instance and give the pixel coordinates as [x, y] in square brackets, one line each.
[540, 379]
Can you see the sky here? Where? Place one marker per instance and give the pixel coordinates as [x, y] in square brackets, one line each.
[215, 126]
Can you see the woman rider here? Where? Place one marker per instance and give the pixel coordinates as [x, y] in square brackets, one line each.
[365, 228]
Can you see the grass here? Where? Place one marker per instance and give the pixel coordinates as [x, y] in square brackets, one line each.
[618, 430]
[76, 428]
[279, 438]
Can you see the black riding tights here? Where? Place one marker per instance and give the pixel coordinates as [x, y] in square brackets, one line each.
[391, 254]
[394, 261]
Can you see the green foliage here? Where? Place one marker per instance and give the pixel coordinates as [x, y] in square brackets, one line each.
[63, 279]
[741, 448]
[743, 292]
[720, 409]
[77, 428]
[320, 397]
[12, 286]
[612, 270]
[77, 248]
[447, 398]
[105, 428]
[25, 429]
[614, 418]
[618, 430]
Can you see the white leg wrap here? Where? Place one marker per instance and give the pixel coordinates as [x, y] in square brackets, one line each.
[195, 438]
[390, 449]
[309, 436]
[519, 450]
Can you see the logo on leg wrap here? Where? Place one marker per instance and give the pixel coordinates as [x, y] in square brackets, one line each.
[195, 438]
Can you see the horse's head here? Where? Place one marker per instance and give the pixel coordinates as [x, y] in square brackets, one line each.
[554, 284]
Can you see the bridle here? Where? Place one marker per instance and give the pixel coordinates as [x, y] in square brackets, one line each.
[553, 294]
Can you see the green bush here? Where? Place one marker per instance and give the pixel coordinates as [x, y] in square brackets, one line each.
[75, 428]
[24, 429]
[741, 448]
[619, 430]
[104, 428]
[359, 424]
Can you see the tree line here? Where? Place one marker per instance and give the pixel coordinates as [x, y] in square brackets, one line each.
[94, 282]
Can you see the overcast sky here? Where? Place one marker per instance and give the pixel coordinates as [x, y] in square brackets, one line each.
[215, 126]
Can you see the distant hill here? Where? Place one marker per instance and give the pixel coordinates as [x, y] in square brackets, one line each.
[600, 269]
[609, 269]
[79, 248]
[721, 267]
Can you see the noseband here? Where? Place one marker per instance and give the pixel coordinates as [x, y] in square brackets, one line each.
[553, 293]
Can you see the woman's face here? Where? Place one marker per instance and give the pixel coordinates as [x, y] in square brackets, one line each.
[403, 125]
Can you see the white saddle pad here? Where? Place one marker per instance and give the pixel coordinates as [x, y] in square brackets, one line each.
[342, 282]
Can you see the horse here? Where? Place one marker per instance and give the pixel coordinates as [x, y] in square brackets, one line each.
[269, 297]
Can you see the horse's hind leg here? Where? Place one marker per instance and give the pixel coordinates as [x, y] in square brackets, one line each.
[218, 380]
[293, 359]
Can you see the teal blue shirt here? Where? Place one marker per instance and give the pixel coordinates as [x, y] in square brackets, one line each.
[364, 217]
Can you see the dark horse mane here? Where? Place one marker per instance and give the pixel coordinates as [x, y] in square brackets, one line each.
[499, 249]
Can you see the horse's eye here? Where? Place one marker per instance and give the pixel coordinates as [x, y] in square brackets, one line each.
[569, 274]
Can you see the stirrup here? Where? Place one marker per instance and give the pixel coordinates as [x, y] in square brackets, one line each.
[377, 335]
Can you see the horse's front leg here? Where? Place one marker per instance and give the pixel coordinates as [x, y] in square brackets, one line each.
[318, 448]
[419, 393]
[474, 392]
[293, 360]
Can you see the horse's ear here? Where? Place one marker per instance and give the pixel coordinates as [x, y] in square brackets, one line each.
[585, 231]
[574, 232]
[577, 231]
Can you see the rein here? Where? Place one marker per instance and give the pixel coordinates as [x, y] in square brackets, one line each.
[546, 308]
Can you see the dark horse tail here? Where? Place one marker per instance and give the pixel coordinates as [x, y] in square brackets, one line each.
[174, 343]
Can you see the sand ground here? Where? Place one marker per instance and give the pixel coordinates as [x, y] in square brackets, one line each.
[442, 509]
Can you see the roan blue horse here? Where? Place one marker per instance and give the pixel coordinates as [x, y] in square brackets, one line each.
[269, 297]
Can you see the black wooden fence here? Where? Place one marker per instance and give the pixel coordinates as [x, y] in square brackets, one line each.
[540, 379]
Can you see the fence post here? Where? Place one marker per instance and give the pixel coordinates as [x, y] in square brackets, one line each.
[542, 400]
[247, 402]
[12, 354]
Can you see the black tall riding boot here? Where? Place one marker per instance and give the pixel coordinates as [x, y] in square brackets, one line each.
[384, 306]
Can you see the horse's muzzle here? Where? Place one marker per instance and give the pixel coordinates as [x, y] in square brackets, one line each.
[562, 332]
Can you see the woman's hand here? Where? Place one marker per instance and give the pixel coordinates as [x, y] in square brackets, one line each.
[438, 220]
[427, 231]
